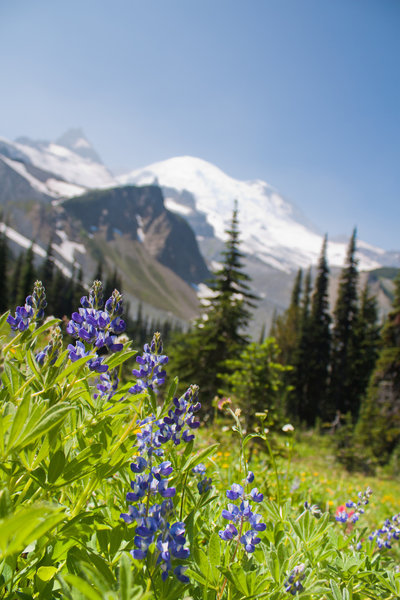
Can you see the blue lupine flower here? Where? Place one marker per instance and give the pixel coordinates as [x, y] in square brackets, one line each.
[96, 327]
[235, 492]
[107, 385]
[150, 374]
[240, 515]
[293, 583]
[389, 531]
[355, 508]
[204, 483]
[33, 310]
[50, 353]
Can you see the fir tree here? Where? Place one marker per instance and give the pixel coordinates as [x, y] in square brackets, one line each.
[344, 346]
[367, 337]
[379, 423]
[220, 332]
[46, 275]
[28, 277]
[297, 401]
[286, 327]
[4, 291]
[15, 280]
[319, 344]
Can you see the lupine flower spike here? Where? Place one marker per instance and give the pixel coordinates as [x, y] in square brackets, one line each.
[95, 328]
[293, 583]
[243, 516]
[32, 311]
[153, 520]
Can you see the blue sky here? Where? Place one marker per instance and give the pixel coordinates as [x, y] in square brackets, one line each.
[304, 94]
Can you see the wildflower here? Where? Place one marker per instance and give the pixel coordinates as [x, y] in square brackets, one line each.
[314, 509]
[96, 327]
[352, 510]
[204, 482]
[50, 353]
[107, 385]
[224, 403]
[389, 531]
[293, 583]
[33, 310]
[240, 515]
[150, 374]
[288, 428]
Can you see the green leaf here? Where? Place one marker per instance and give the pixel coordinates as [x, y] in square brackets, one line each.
[214, 549]
[83, 586]
[20, 529]
[199, 457]
[52, 417]
[73, 367]
[335, 590]
[56, 466]
[119, 358]
[46, 573]
[125, 576]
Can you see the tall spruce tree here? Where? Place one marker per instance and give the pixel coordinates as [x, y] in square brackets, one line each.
[28, 276]
[297, 399]
[200, 355]
[367, 338]
[4, 255]
[378, 427]
[286, 327]
[342, 395]
[319, 344]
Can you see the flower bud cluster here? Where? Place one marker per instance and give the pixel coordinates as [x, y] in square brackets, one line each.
[150, 374]
[33, 310]
[204, 483]
[388, 532]
[293, 583]
[95, 327]
[50, 353]
[241, 515]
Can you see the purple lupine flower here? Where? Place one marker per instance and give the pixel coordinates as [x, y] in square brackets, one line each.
[33, 310]
[108, 385]
[352, 510]
[204, 482]
[256, 496]
[97, 327]
[240, 516]
[235, 492]
[50, 353]
[150, 374]
[180, 417]
[293, 583]
[389, 531]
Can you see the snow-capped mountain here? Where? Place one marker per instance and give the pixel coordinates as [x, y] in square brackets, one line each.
[272, 229]
[276, 237]
[71, 159]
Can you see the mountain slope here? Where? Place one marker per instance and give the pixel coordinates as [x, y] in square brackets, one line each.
[272, 229]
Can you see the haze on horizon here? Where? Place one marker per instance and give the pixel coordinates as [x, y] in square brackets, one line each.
[304, 95]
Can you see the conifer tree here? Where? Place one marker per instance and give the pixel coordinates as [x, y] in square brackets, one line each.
[342, 395]
[28, 276]
[286, 327]
[46, 275]
[318, 344]
[220, 332]
[15, 280]
[298, 399]
[378, 428]
[367, 338]
[4, 291]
